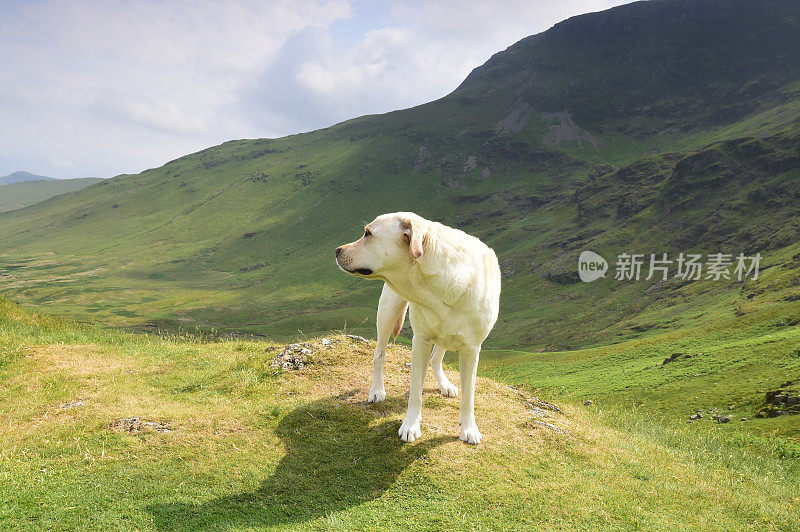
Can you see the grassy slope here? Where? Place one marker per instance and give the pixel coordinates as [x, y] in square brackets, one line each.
[25, 193]
[748, 343]
[250, 447]
[239, 236]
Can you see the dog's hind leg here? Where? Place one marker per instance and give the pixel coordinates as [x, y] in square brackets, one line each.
[391, 314]
[446, 387]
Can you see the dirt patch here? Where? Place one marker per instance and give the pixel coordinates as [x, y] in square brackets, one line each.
[134, 425]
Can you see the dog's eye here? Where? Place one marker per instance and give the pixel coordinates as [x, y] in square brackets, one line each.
[367, 232]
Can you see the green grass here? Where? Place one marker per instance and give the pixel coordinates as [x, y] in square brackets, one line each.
[728, 371]
[251, 448]
[25, 193]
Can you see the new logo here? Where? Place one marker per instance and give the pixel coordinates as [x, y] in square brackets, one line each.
[591, 266]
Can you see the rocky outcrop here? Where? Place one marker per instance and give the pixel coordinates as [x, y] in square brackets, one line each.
[784, 400]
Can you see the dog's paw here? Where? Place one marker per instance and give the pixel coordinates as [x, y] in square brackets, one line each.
[409, 431]
[376, 396]
[448, 389]
[471, 435]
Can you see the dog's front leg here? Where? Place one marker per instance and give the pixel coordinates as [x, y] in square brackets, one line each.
[377, 392]
[420, 351]
[468, 367]
[391, 311]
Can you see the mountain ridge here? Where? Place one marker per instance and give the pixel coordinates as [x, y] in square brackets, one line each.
[16, 177]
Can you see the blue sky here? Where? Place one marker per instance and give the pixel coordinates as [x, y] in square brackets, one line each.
[103, 87]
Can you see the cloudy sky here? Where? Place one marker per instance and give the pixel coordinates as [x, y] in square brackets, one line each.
[103, 87]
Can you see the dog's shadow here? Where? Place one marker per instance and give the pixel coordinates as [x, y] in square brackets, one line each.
[336, 458]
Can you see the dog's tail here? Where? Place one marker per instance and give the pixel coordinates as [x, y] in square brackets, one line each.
[398, 325]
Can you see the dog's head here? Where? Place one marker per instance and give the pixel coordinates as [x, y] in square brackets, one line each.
[390, 243]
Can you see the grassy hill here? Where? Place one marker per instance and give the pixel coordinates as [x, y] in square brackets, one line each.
[220, 439]
[25, 193]
[641, 129]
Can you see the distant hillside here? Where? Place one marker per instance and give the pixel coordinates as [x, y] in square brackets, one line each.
[25, 193]
[655, 127]
[16, 177]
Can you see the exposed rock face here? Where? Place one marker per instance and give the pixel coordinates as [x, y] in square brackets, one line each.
[784, 400]
[564, 270]
[515, 120]
[675, 356]
[562, 128]
[471, 164]
[424, 152]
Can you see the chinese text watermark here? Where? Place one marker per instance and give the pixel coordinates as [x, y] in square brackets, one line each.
[660, 266]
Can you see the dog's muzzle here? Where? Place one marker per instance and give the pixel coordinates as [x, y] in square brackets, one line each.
[359, 271]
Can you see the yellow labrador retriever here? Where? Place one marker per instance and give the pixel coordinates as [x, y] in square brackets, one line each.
[450, 281]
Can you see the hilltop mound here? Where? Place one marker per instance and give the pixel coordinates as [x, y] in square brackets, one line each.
[101, 429]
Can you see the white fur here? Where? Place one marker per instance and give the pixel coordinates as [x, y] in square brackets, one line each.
[391, 309]
[451, 281]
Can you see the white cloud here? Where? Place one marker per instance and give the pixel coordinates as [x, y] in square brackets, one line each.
[85, 74]
[114, 86]
[422, 53]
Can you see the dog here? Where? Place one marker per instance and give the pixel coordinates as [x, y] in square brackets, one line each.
[450, 282]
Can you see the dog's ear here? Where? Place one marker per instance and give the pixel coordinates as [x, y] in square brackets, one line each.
[414, 235]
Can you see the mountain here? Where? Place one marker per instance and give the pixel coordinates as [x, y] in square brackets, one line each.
[652, 68]
[25, 193]
[16, 177]
[656, 127]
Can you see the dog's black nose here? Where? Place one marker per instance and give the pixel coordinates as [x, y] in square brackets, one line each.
[338, 250]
